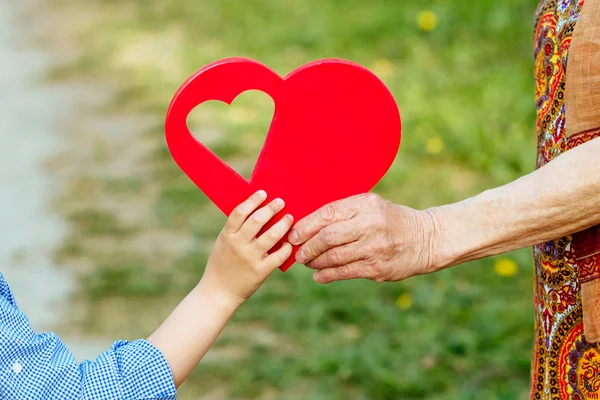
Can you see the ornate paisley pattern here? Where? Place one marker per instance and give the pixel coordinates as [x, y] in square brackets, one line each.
[564, 365]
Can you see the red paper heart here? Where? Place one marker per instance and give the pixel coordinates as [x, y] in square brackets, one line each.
[335, 132]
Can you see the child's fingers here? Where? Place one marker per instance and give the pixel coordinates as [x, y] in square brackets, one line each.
[267, 240]
[277, 258]
[259, 218]
[239, 215]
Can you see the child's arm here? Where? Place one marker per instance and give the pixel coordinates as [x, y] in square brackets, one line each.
[39, 366]
[238, 265]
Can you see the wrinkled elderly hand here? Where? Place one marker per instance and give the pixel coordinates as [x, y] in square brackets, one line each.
[366, 236]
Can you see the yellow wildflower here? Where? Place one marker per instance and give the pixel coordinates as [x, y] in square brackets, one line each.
[434, 145]
[382, 68]
[404, 301]
[506, 267]
[427, 20]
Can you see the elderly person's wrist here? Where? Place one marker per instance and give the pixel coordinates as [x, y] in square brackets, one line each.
[432, 228]
[441, 226]
[461, 232]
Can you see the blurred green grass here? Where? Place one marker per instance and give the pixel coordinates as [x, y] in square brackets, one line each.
[461, 73]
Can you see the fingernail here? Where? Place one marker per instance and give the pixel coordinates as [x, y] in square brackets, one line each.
[294, 237]
[279, 202]
[262, 194]
[300, 257]
[317, 277]
[290, 217]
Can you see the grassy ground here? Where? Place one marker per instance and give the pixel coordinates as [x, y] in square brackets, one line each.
[141, 231]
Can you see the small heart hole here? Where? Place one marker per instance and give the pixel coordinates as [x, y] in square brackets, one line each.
[236, 133]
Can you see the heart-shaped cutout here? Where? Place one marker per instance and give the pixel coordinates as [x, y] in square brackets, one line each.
[335, 132]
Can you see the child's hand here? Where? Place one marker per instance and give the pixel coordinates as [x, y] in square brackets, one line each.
[238, 265]
[240, 261]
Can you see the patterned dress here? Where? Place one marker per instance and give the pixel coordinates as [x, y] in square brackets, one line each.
[565, 366]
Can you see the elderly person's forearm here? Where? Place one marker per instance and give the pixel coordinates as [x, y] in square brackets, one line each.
[365, 236]
[559, 199]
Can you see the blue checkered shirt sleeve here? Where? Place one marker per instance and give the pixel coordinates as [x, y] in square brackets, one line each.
[39, 366]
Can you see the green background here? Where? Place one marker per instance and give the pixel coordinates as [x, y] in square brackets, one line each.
[462, 75]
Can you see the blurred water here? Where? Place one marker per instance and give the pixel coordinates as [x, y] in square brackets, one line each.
[30, 115]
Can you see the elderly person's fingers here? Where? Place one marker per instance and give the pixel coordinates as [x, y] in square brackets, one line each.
[354, 270]
[327, 238]
[310, 225]
[337, 257]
